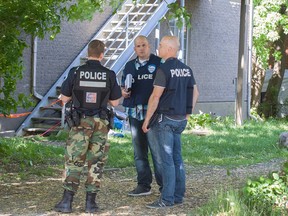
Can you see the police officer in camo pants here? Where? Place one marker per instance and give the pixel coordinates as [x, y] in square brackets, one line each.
[90, 87]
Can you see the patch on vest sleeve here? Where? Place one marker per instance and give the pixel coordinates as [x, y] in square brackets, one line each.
[91, 97]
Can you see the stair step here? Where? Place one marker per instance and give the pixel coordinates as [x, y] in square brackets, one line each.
[121, 29]
[53, 97]
[46, 125]
[113, 39]
[134, 13]
[136, 22]
[118, 49]
[45, 118]
[35, 130]
[140, 5]
[55, 107]
[111, 58]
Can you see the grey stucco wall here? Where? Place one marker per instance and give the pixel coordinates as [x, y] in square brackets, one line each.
[213, 53]
[53, 57]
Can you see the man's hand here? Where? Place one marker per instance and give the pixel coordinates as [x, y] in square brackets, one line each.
[145, 126]
[64, 98]
[125, 94]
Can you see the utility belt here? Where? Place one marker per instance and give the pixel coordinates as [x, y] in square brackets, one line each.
[73, 116]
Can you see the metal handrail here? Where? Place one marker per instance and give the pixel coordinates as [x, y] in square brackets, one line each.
[116, 65]
[128, 33]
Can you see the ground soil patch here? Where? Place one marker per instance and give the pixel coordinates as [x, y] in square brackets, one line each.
[38, 195]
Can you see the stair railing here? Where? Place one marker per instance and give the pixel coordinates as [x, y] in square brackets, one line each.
[126, 29]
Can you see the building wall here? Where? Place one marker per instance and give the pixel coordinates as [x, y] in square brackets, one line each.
[213, 53]
[53, 57]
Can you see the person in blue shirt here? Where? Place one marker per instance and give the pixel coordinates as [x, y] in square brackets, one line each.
[142, 69]
[173, 98]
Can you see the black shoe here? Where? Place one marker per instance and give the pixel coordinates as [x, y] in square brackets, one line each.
[178, 203]
[158, 204]
[139, 191]
[65, 205]
[91, 205]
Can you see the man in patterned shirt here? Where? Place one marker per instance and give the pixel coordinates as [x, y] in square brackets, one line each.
[142, 69]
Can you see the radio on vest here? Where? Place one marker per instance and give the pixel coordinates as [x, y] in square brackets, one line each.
[128, 82]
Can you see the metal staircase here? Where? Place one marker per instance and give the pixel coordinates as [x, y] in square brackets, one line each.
[118, 34]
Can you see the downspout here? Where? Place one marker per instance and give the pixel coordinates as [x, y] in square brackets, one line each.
[182, 42]
[249, 66]
[34, 65]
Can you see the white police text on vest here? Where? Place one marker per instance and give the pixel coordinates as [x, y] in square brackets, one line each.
[180, 72]
[93, 75]
[145, 76]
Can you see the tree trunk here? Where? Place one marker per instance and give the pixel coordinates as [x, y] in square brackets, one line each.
[257, 81]
[270, 106]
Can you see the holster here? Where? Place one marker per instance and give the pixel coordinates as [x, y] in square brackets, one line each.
[73, 118]
[108, 114]
[111, 119]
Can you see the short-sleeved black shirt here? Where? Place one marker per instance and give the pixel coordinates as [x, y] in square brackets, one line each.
[92, 65]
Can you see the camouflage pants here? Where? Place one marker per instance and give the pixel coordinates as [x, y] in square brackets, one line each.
[86, 144]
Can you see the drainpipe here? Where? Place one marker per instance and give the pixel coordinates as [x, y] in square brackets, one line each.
[249, 66]
[182, 5]
[34, 64]
[157, 38]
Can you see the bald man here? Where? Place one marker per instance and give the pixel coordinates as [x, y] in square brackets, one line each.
[171, 103]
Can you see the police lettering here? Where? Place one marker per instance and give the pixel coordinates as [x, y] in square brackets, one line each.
[93, 75]
[145, 76]
[180, 72]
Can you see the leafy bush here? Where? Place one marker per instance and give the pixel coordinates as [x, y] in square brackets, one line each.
[206, 120]
[226, 203]
[201, 120]
[268, 194]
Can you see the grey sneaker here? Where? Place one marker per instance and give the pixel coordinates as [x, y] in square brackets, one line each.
[139, 191]
[158, 204]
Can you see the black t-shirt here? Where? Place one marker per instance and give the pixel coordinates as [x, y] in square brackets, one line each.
[92, 65]
[163, 79]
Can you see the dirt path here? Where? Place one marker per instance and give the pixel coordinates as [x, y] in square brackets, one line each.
[38, 196]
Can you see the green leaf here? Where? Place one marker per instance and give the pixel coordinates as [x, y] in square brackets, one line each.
[275, 176]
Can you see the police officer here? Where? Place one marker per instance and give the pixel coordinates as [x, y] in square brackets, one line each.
[173, 99]
[90, 87]
[142, 69]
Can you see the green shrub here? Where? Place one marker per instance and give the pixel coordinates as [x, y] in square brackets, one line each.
[201, 120]
[268, 194]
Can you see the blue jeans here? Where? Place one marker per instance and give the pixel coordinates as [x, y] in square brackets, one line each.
[142, 143]
[168, 137]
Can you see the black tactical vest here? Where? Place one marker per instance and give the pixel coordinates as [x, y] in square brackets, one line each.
[91, 88]
[177, 96]
[143, 77]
